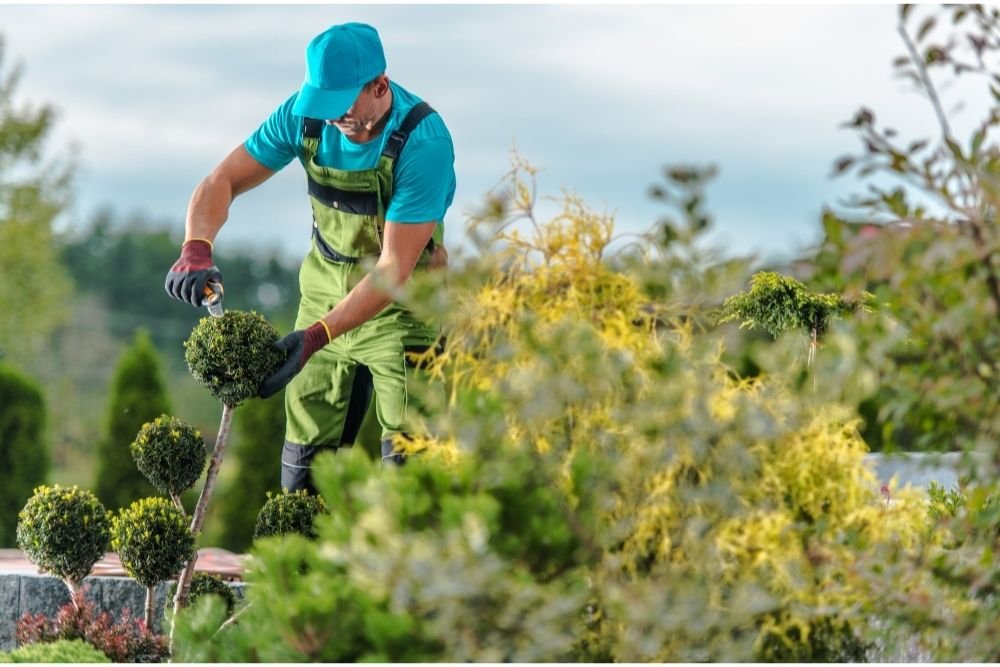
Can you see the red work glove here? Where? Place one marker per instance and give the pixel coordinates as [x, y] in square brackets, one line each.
[298, 346]
[188, 276]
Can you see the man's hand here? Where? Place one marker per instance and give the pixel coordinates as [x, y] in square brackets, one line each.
[298, 346]
[188, 276]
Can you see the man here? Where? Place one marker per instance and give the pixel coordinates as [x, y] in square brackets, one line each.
[380, 172]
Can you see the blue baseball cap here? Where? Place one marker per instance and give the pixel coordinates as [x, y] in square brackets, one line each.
[339, 62]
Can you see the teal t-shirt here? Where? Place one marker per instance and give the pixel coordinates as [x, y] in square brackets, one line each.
[424, 180]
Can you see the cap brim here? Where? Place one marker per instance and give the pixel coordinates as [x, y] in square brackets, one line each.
[324, 104]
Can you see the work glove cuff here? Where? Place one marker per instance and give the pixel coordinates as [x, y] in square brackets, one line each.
[315, 337]
[196, 254]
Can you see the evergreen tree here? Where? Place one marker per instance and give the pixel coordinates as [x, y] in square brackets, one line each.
[24, 456]
[138, 396]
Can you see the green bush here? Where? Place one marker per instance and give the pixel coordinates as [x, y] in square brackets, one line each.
[152, 539]
[202, 584]
[138, 395]
[233, 354]
[74, 650]
[24, 456]
[779, 303]
[170, 453]
[289, 512]
[63, 531]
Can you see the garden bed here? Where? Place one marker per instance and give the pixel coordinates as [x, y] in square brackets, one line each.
[24, 590]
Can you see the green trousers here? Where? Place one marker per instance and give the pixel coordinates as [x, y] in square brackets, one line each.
[318, 401]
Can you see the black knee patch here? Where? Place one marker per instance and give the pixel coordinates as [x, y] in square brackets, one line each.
[296, 465]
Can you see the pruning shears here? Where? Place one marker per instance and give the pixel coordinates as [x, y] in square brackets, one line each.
[212, 300]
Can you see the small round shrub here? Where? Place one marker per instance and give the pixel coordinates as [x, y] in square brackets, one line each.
[203, 583]
[233, 354]
[64, 531]
[63, 650]
[152, 539]
[289, 512]
[170, 453]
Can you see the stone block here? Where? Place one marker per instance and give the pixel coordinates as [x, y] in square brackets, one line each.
[10, 604]
[42, 594]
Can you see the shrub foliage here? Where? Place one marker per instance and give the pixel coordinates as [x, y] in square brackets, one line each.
[204, 584]
[289, 512]
[170, 453]
[63, 530]
[63, 650]
[152, 539]
[233, 354]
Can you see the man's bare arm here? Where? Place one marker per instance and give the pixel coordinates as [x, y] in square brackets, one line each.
[209, 206]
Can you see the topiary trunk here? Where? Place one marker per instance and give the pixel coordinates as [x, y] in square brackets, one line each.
[180, 598]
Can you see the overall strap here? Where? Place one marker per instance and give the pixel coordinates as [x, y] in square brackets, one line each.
[398, 138]
[312, 128]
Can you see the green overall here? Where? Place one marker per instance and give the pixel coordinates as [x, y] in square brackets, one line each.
[324, 404]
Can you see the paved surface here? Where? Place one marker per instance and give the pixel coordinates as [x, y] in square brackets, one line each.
[224, 563]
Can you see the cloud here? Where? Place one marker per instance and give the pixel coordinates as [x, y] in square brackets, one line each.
[600, 96]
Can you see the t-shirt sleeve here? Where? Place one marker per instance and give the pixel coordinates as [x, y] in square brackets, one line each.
[425, 182]
[276, 141]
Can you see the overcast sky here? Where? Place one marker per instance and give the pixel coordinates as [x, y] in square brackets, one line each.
[599, 97]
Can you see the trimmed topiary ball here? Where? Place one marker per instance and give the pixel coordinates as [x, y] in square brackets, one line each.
[152, 539]
[64, 531]
[286, 512]
[203, 583]
[170, 453]
[233, 354]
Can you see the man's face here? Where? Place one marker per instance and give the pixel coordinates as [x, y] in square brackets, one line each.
[363, 114]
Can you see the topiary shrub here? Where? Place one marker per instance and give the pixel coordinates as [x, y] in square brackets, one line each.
[154, 542]
[203, 583]
[64, 650]
[24, 457]
[170, 453]
[289, 512]
[233, 354]
[138, 394]
[63, 530]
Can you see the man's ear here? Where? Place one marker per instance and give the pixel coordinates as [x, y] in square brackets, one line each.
[380, 86]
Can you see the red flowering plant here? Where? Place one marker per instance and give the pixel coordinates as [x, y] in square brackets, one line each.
[127, 640]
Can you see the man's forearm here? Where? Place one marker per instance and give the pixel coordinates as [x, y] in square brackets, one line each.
[208, 209]
[366, 300]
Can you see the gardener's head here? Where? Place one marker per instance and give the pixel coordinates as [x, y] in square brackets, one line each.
[345, 77]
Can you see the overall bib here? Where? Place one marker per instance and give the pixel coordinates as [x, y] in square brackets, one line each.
[326, 402]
